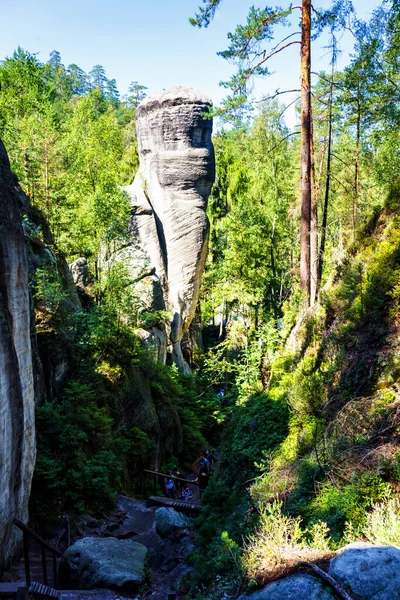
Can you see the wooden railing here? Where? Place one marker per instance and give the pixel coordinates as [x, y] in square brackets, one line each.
[27, 534]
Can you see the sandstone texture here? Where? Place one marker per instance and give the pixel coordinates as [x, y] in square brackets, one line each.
[169, 197]
[297, 587]
[169, 520]
[367, 571]
[103, 563]
[17, 389]
[370, 572]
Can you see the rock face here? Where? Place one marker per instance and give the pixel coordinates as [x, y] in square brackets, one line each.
[169, 198]
[17, 431]
[370, 572]
[296, 587]
[168, 520]
[103, 563]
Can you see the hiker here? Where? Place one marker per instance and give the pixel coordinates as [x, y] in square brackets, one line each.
[169, 485]
[202, 479]
[178, 484]
[210, 457]
[187, 493]
[204, 462]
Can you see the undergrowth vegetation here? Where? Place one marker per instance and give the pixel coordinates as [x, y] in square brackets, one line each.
[90, 444]
[310, 456]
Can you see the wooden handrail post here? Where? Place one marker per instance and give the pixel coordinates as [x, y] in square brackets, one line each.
[26, 559]
[44, 566]
[55, 577]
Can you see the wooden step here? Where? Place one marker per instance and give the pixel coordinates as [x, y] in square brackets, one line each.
[186, 507]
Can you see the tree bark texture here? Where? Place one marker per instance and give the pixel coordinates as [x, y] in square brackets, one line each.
[306, 184]
[327, 188]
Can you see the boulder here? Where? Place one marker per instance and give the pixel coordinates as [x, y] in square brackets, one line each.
[80, 272]
[103, 563]
[168, 520]
[297, 587]
[371, 572]
[169, 200]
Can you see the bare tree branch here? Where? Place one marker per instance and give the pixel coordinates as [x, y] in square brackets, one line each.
[277, 93]
[286, 38]
[270, 56]
[281, 141]
[334, 83]
[289, 105]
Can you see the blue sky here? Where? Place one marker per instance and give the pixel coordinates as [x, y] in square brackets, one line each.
[149, 41]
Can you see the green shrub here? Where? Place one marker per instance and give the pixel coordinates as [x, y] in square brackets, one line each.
[381, 526]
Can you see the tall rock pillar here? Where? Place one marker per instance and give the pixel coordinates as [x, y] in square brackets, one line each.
[169, 197]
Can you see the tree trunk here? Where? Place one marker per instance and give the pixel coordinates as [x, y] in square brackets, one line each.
[327, 186]
[357, 164]
[313, 224]
[306, 193]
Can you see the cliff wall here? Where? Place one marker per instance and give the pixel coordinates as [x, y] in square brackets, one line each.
[17, 390]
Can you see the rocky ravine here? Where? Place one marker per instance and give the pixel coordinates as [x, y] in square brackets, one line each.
[169, 225]
[114, 551]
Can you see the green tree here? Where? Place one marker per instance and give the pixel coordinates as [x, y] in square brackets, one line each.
[97, 210]
[248, 50]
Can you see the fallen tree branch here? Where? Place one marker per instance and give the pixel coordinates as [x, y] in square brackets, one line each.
[337, 588]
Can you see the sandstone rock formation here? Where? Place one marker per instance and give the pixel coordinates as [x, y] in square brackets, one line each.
[17, 431]
[169, 198]
[297, 587]
[168, 520]
[370, 572]
[103, 563]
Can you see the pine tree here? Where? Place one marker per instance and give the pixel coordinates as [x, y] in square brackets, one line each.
[97, 78]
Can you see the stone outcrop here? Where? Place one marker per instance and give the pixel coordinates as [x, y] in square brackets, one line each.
[35, 356]
[53, 331]
[297, 587]
[169, 520]
[169, 197]
[103, 563]
[17, 389]
[370, 572]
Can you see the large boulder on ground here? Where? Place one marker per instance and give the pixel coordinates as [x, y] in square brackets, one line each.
[370, 572]
[103, 563]
[297, 587]
[168, 520]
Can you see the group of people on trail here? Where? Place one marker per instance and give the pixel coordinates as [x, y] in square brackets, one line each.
[176, 489]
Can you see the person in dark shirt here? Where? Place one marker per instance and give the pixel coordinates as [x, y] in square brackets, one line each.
[204, 462]
[202, 479]
[210, 457]
[178, 484]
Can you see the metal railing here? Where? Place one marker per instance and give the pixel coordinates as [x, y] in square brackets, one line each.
[27, 534]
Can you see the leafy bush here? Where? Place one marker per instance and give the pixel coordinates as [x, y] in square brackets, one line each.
[348, 503]
[279, 543]
[382, 525]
